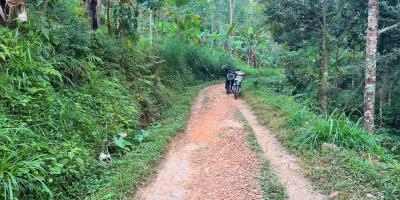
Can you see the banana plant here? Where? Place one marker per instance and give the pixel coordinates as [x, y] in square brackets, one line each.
[185, 24]
[247, 43]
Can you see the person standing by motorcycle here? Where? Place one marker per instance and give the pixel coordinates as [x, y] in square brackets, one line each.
[230, 76]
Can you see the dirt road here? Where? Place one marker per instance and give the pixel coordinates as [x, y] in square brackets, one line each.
[211, 160]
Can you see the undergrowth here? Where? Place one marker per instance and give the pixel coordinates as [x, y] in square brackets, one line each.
[360, 167]
[68, 94]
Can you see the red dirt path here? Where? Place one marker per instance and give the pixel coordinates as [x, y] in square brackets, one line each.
[211, 160]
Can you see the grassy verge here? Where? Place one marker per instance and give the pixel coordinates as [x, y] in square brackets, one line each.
[138, 165]
[271, 187]
[358, 169]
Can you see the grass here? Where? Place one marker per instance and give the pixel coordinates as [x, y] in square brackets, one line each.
[360, 169]
[271, 186]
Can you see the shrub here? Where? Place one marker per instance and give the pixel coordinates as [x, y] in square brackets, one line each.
[198, 63]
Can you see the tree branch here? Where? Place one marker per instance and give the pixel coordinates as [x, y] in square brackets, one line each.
[388, 28]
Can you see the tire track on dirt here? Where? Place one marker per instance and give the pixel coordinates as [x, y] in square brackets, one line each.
[212, 161]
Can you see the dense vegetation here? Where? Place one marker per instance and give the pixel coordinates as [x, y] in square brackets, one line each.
[81, 78]
[69, 94]
[298, 26]
[359, 167]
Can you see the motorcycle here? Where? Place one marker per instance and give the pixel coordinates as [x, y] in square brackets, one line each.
[237, 83]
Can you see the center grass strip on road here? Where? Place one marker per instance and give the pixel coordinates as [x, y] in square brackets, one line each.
[271, 186]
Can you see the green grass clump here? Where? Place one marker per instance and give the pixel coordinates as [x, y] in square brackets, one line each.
[337, 130]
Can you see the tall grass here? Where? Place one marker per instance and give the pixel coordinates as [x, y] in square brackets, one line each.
[21, 169]
[334, 129]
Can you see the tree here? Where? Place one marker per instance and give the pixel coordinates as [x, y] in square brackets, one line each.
[93, 9]
[370, 70]
[324, 69]
[232, 4]
[371, 63]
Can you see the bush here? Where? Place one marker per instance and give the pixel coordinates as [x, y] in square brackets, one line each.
[268, 77]
[198, 63]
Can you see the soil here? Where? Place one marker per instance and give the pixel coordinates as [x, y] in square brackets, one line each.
[211, 159]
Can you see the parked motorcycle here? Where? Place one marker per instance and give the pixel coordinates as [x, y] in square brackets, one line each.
[237, 83]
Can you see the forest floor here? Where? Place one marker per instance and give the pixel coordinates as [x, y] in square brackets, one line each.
[212, 160]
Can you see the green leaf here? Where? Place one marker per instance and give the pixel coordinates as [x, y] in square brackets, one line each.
[250, 31]
[179, 3]
[50, 71]
[187, 22]
[121, 142]
[231, 29]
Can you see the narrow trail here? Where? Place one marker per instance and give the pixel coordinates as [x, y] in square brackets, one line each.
[211, 160]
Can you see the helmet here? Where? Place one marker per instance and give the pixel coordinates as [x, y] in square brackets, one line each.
[225, 67]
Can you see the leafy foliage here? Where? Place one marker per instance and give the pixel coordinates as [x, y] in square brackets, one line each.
[69, 94]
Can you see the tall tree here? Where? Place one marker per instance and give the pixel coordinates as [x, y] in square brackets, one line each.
[324, 69]
[232, 4]
[370, 70]
[93, 9]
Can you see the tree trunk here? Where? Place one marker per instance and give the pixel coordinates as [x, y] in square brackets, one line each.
[384, 94]
[251, 57]
[336, 81]
[136, 20]
[231, 11]
[151, 25]
[93, 8]
[212, 27]
[353, 61]
[254, 54]
[155, 21]
[381, 106]
[45, 6]
[390, 90]
[108, 17]
[370, 71]
[140, 21]
[324, 68]
[3, 11]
